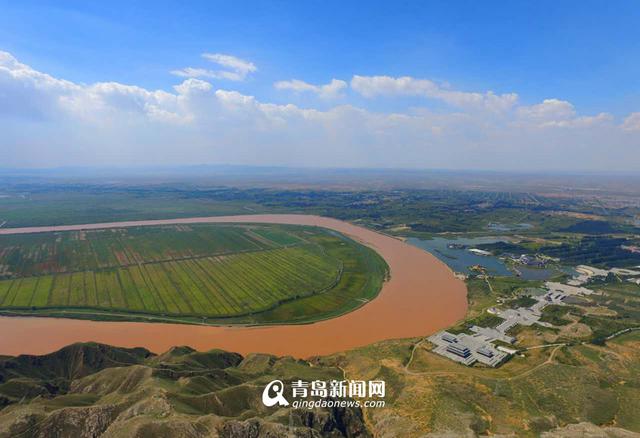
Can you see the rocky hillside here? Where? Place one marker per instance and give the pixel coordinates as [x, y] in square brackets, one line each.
[90, 390]
[93, 390]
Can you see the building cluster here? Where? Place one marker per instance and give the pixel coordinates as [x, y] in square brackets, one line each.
[587, 273]
[490, 345]
[483, 346]
[467, 349]
[526, 260]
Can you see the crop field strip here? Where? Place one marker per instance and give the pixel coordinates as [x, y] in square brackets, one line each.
[81, 251]
[362, 274]
[154, 272]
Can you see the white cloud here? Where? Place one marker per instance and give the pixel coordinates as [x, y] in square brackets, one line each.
[190, 85]
[549, 109]
[236, 64]
[236, 69]
[47, 121]
[372, 86]
[331, 90]
[580, 122]
[191, 72]
[632, 122]
[25, 92]
[556, 113]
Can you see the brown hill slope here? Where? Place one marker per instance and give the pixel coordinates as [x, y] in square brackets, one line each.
[90, 390]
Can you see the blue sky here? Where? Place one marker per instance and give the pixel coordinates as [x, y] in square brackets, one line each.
[585, 53]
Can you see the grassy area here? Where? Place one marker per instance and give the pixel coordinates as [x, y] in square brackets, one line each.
[521, 301]
[195, 273]
[556, 315]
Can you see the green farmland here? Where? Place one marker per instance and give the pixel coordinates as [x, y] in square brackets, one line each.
[215, 274]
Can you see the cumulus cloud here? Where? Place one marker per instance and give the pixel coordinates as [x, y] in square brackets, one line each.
[235, 69]
[632, 122]
[192, 85]
[549, 109]
[331, 90]
[560, 114]
[372, 86]
[25, 92]
[47, 121]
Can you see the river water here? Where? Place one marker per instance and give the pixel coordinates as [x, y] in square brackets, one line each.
[421, 297]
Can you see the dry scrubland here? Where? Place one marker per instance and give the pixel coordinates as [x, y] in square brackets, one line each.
[546, 391]
[87, 390]
[196, 273]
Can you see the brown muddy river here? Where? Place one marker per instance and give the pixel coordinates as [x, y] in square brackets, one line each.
[421, 297]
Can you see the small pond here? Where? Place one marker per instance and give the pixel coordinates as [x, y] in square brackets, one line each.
[459, 259]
